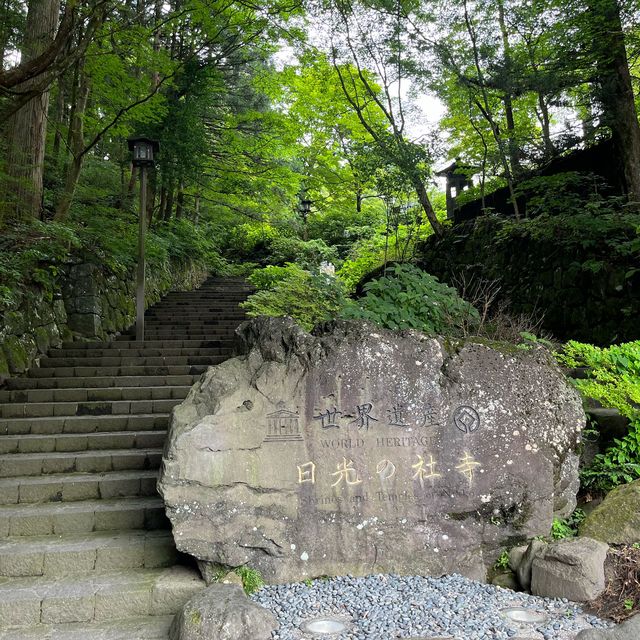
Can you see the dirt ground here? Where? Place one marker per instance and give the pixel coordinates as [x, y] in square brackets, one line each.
[621, 597]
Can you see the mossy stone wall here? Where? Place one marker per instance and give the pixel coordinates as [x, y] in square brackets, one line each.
[542, 277]
[88, 302]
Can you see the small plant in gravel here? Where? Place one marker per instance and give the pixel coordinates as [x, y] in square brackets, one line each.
[252, 580]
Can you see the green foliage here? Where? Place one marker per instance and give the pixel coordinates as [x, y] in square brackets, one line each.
[35, 254]
[572, 211]
[269, 277]
[252, 580]
[502, 563]
[530, 340]
[613, 379]
[409, 298]
[307, 298]
[567, 528]
[395, 242]
[267, 245]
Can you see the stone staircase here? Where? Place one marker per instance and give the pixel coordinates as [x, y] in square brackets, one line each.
[86, 552]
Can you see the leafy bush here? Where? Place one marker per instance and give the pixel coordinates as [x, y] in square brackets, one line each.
[308, 254]
[269, 277]
[264, 244]
[613, 379]
[409, 298]
[307, 298]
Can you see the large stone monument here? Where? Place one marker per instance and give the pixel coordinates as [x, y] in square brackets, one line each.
[358, 450]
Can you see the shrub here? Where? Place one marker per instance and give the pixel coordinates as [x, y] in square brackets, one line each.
[409, 298]
[291, 291]
[613, 379]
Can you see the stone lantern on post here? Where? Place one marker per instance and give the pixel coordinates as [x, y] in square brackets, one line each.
[459, 178]
[143, 156]
[304, 207]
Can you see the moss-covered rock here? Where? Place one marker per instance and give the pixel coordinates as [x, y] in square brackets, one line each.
[16, 355]
[4, 367]
[617, 519]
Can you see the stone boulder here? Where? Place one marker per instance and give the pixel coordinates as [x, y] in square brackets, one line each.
[359, 450]
[222, 612]
[572, 568]
[628, 630]
[617, 519]
[523, 570]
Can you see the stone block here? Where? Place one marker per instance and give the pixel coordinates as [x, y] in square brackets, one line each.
[223, 612]
[73, 606]
[88, 325]
[627, 630]
[572, 568]
[534, 549]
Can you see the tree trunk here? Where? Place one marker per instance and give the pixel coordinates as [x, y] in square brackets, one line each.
[616, 90]
[169, 203]
[180, 201]
[514, 151]
[76, 145]
[59, 121]
[545, 123]
[425, 203]
[27, 128]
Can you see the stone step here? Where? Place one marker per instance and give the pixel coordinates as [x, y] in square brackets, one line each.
[129, 370]
[64, 518]
[99, 552]
[151, 344]
[92, 461]
[228, 327]
[89, 441]
[90, 408]
[102, 382]
[167, 336]
[187, 313]
[71, 425]
[89, 360]
[130, 353]
[74, 487]
[216, 296]
[144, 628]
[95, 395]
[96, 597]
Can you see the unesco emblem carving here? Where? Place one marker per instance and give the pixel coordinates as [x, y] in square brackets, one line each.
[466, 419]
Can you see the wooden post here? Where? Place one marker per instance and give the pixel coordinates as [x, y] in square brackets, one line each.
[141, 269]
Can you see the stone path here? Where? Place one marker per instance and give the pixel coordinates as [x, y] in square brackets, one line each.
[85, 548]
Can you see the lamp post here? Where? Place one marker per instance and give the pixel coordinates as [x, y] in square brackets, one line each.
[304, 207]
[143, 150]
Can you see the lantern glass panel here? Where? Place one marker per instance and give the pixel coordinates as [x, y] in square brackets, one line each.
[143, 151]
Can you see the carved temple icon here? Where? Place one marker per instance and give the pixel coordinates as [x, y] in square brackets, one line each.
[283, 426]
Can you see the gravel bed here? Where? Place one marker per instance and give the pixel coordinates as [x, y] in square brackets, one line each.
[381, 607]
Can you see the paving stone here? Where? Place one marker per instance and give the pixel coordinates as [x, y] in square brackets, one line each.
[147, 628]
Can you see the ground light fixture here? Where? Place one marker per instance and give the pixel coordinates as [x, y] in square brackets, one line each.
[523, 616]
[324, 626]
